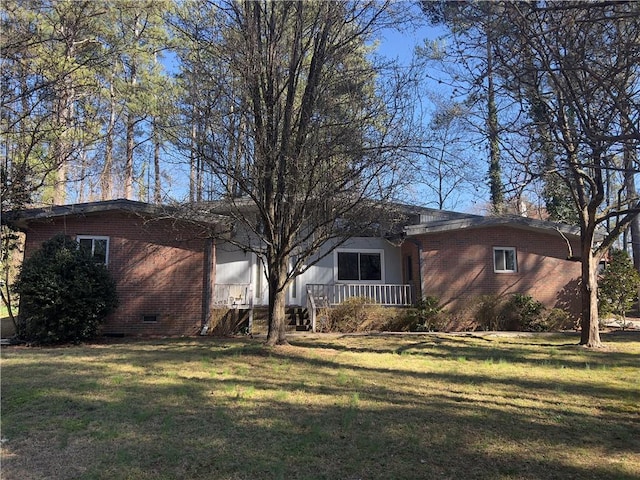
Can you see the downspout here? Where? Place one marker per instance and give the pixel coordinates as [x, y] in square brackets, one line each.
[207, 285]
[418, 244]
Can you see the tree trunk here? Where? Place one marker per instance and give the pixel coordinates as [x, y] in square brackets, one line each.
[128, 167]
[130, 135]
[495, 180]
[106, 180]
[62, 149]
[195, 165]
[192, 164]
[590, 329]
[635, 224]
[630, 156]
[60, 191]
[277, 334]
[157, 187]
[65, 116]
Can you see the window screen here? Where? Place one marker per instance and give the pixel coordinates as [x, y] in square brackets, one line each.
[97, 247]
[504, 259]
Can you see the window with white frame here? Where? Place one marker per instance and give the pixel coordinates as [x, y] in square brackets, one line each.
[98, 247]
[505, 260]
[359, 266]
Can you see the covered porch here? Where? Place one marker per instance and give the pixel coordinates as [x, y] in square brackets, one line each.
[241, 296]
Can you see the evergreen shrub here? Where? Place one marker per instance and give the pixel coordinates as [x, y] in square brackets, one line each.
[516, 312]
[65, 295]
[618, 285]
[524, 314]
[427, 316]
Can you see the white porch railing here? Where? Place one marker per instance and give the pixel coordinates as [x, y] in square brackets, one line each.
[374, 294]
[232, 295]
[240, 295]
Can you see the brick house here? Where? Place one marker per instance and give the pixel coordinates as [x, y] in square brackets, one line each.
[465, 257]
[161, 266]
[172, 272]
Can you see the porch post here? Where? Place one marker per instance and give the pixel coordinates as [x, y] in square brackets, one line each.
[311, 309]
[250, 294]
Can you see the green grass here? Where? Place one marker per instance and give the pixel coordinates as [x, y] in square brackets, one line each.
[326, 407]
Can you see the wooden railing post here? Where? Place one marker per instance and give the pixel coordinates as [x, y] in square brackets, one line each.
[311, 309]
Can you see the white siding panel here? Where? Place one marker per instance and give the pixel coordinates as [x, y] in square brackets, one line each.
[232, 264]
[235, 266]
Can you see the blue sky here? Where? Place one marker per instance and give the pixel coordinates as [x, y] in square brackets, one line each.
[398, 45]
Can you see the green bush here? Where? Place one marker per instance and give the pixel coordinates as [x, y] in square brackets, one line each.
[517, 312]
[524, 314]
[427, 316]
[64, 294]
[618, 286]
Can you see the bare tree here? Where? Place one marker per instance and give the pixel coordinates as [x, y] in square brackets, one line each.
[302, 136]
[474, 29]
[50, 52]
[575, 67]
[446, 170]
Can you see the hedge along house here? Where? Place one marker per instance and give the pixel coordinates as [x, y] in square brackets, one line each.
[172, 273]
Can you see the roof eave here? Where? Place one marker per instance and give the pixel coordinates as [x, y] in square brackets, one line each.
[21, 219]
[486, 222]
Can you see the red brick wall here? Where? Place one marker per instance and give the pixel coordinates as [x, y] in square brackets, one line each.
[157, 265]
[458, 265]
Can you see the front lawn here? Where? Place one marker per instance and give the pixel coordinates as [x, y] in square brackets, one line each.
[326, 407]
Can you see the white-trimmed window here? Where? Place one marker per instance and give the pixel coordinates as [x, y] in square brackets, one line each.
[359, 265]
[97, 246]
[505, 260]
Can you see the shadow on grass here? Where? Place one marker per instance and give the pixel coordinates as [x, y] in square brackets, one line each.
[234, 409]
[486, 347]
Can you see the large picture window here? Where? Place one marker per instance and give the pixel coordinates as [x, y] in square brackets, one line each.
[98, 247]
[359, 266]
[504, 260]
